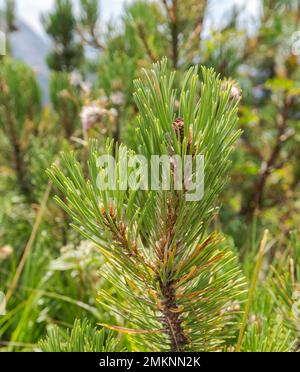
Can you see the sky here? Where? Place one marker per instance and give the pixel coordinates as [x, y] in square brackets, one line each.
[30, 10]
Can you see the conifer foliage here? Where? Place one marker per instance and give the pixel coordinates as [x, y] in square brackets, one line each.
[20, 110]
[82, 338]
[60, 25]
[173, 275]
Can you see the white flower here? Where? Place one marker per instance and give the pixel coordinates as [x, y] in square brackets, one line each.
[86, 87]
[75, 78]
[5, 252]
[117, 98]
[77, 81]
[113, 112]
[82, 257]
[90, 115]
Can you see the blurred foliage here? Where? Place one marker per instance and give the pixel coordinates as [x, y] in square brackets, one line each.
[91, 90]
[66, 101]
[10, 8]
[60, 25]
[82, 338]
[20, 109]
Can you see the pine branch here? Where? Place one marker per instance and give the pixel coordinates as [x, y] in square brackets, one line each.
[173, 278]
[174, 33]
[88, 27]
[18, 155]
[172, 13]
[143, 37]
[19, 113]
[82, 338]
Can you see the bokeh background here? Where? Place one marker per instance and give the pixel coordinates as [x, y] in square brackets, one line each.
[67, 77]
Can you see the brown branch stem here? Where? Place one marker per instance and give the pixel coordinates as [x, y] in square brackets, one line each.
[174, 33]
[143, 37]
[171, 315]
[172, 318]
[172, 12]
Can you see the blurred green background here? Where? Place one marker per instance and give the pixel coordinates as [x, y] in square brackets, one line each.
[77, 84]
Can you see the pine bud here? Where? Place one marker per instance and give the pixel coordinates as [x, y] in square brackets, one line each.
[178, 127]
[235, 92]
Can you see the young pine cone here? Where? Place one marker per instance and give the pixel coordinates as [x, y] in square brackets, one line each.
[178, 127]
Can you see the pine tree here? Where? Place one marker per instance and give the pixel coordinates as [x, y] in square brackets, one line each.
[20, 108]
[66, 101]
[88, 23]
[174, 275]
[8, 22]
[60, 25]
[10, 8]
[168, 27]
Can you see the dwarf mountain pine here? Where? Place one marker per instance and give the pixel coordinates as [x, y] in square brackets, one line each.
[173, 275]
